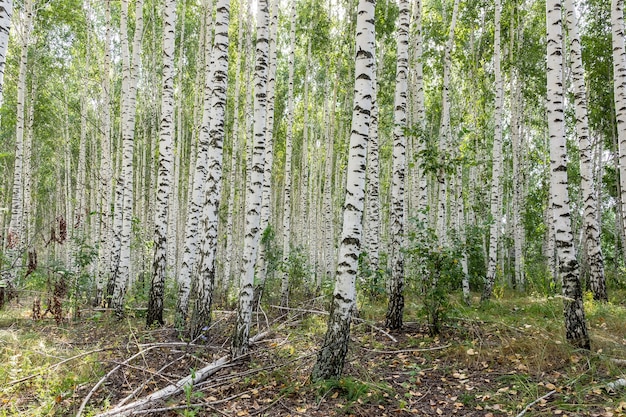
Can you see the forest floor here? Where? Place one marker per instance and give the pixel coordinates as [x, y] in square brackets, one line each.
[493, 360]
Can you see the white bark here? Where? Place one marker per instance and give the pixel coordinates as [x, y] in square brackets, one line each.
[372, 226]
[6, 12]
[15, 233]
[201, 317]
[332, 354]
[106, 167]
[591, 228]
[197, 193]
[261, 266]
[445, 132]
[124, 191]
[619, 95]
[496, 199]
[166, 157]
[284, 287]
[253, 196]
[575, 326]
[396, 213]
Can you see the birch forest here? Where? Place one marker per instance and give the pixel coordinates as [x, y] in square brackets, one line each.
[312, 207]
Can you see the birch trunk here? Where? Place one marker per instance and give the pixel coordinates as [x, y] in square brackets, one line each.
[164, 180]
[371, 226]
[284, 287]
[591, 228]
[445, 133]
[419, 176]
[106, 168]
[261, 266]
[6, 12]
[619, 94]
[496, 201]
[197, 193]
[240, 341]
[124, 193]
[575, 326]
[201, 317]
[393, 319]
[331, 357]
[15, 234]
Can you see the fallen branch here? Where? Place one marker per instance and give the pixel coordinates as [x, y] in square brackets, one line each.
[535, 402]
[169, 390]
[392, 352]
[616, 385]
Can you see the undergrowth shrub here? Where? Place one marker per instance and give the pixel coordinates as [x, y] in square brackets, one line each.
[437, 271]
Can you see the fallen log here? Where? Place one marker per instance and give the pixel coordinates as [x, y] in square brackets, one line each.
[175, 388]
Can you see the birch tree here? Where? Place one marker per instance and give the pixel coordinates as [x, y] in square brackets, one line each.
[6, 12]
[201, 316]
[106, 166]
[164, 180]
[393, 319]
[496, 199]
[619, 95]
[591, 228]
[124, 189]
[575, 325]
[284, 287]
[240, 341]
[331, 356]
[15, 234]
[197, 180]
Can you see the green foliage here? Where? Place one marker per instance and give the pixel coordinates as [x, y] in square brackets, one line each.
[354, 390]
[439, 272]
[371, 280]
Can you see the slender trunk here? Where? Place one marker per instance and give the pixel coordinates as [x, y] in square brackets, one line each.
[15, 234]
[393, 319]
[6, 12]
[240, 341]
[261, 266]
[371, 226]
[124, 193]
[164, 180]
[198, 182]
[619, 94]
[331, 357]
[496, 200]
[575, 325]
[445, 133]
[201, 316]
[106, 168]
[284, 287]
[591, 228]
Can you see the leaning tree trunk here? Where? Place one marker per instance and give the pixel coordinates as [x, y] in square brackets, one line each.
[393, 319]
[166, 156]
[331, 357]
[575, 326]
[591, 228]
[201, 316]
[496, 199]
[240, 341]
